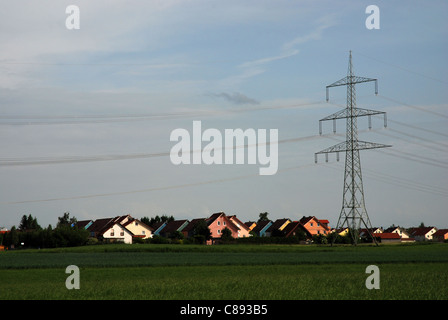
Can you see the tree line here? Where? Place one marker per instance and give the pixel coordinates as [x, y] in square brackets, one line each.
[29, 234]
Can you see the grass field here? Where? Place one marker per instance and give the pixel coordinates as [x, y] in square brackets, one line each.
[227, 272]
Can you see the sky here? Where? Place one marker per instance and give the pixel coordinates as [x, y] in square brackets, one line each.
[86, 114]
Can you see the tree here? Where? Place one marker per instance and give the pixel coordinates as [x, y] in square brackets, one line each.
[201, 232]
[11, 239]
[226, 234]
[263, 216]
[157, 219]
[66, 221]
[28, 223]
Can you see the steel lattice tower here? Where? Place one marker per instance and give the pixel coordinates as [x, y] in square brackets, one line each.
[353, 214]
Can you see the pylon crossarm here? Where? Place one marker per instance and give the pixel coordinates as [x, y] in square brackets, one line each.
[359, 145]
[351, 80]
[357, 112]
[364, 145]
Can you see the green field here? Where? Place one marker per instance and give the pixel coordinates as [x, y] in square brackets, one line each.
[227, 272]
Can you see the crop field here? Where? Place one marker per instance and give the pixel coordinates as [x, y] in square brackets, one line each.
[189, 272]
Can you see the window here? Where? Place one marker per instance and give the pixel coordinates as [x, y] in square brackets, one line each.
[224, 222]
[311, 223]
[219, 223]
[143, 232]
[122, 233]
[112, 233]
[219, 231]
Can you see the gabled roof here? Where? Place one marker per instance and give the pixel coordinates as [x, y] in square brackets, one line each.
[323, 223]
[421, 231]
[190, 226]
[156, 225]
[213, 217]
[440, 232]
[174, 226]
[294, 227]
[392, 229]
[387, 235]
[99, 224]
[250, 224]
[262, 225]
[277, 224]
[304, 220]
[84, 223]
[139, 222]
[236, 221]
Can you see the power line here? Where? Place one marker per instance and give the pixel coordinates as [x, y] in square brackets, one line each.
[89, 119]
[432, 147]
[418, 128]
[422, 160]
[97, 195]
[401, 182]
[414, 107]
[81, 159]
[404, 69]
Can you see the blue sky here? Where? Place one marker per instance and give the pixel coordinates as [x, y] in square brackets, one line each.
[136, 70]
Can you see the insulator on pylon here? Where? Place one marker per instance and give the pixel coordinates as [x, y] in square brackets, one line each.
[337, 156]
[385, 120]
[320, 127]
[370, 122]
[326, 157]
[334, 125]
[315, 158]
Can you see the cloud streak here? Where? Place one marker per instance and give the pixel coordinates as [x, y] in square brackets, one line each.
[236, 98]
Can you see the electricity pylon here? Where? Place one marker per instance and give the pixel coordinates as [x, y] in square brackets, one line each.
[353, 214]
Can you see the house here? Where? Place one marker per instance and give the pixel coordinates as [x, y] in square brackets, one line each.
[219, 221]
[342, 231]
[243, 230]
[402, 232]
[84, 224]
[423, 233]
[188, 230]
[277, 227]
[139, 229]
[170, 228]
[158, 227]
[251, 225]
[96, 228]
[387, 237]
[295, 228]
[363, 233]
[115, 232]
[261, 227]
[315, 226]
[440, 235]
[111, 229]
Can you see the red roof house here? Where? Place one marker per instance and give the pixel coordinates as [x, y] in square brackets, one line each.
[440, 235]
[315, 226]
